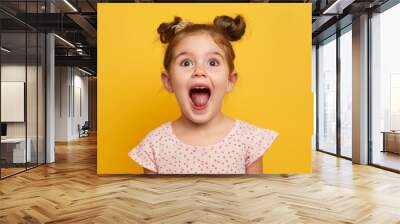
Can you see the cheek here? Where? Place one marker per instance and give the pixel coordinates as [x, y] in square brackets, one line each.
[221, 80]
[179, 82]
[220, 77]
[220, 87]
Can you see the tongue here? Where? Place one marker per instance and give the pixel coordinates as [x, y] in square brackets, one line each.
[200, 99]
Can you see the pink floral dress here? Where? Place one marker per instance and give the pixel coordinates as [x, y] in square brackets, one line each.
[162, 152]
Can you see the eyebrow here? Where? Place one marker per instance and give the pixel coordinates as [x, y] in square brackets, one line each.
[182, 53]
[217, 53]
[214, 52]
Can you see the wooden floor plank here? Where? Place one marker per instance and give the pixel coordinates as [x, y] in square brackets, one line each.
[70, 191]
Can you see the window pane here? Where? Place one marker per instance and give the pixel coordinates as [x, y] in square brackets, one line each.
[346, 94]
[386, 88]
[31, 100]
[14, 153]
[327, 96]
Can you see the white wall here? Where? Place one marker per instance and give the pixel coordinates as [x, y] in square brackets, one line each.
[71, 93]
[80, 84]
[62, 80]
[33, 127]
[16, 73]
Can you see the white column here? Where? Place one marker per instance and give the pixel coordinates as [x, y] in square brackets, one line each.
[360, 90]
[50, 92]
[50, 100]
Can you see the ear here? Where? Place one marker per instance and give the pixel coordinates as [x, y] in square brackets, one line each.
[231, 81]
[166, 80]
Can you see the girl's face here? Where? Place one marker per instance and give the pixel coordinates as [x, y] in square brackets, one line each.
[199, 76]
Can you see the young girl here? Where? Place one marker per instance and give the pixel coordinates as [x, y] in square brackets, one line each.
[199, 70]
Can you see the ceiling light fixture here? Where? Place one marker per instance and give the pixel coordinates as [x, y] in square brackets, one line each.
[337, 7]
[70, 5]
[79, 51]
[84, 71]
[64, 40]
[5, 50]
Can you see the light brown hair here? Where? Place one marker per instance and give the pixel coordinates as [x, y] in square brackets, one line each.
[223, 30]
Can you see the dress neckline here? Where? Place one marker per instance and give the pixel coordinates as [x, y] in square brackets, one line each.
[223, 140]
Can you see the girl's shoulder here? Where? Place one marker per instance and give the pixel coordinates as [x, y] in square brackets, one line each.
[248, 131]
[256, 140]
[251, 128]
[158, 132]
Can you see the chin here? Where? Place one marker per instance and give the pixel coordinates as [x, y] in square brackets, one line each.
[199, 118]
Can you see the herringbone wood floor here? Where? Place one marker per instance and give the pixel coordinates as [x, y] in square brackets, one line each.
[70, 191]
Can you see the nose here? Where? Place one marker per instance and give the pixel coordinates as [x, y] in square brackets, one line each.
[199, 72]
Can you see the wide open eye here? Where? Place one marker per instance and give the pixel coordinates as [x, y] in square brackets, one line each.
[213, 62]
[186, 63]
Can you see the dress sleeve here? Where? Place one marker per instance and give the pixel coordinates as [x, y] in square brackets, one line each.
[143, 154]
[262, 140]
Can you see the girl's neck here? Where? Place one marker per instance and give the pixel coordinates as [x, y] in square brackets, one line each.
[209, 133]
[186, 123]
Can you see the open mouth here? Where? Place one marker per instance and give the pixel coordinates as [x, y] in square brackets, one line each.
[200, 96]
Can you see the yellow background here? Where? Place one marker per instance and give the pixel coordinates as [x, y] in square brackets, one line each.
[273, 90]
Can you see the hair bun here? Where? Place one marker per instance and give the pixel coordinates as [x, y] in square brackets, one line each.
[167, 30]
[232, 28]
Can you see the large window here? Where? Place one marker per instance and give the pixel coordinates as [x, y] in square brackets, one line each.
[346, 93]
[334, 60]
[327, 95]
[385, 88]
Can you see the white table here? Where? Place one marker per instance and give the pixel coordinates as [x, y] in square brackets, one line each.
[19, 155]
